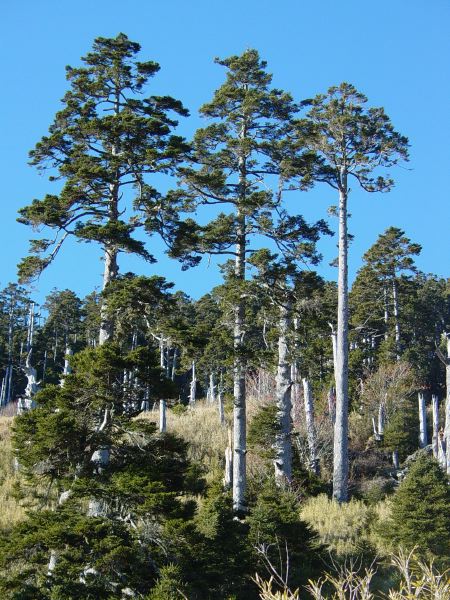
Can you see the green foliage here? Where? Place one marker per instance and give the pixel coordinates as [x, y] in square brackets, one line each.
[169, 586]
[262, 431]
[104, 139]
[420, 516]
[402, 431]
[139, 486]
[213, 553]
[276, 527]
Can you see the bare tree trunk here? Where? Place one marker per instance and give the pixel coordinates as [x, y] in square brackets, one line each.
[340, 453]
[162, 416]
[396, 317]
[447, 406]
[423, 440]
[110, 273]
[331, 399]
[212, 388]
[395, 460]
[283, 444]
[310, 427]
[228, 475]
[174, 364]
[193, 389]
[435, 439]
[67, 367]
[381, 418]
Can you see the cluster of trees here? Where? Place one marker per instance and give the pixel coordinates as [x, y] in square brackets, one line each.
[118, 494]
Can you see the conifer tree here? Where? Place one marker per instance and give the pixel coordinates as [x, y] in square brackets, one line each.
[389, 258]
[420, 516]
[350, 141]
[235, 160]
[105, 139]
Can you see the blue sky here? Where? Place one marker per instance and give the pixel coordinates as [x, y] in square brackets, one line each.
[395, 51]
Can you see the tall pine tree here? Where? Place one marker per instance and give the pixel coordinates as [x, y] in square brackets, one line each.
[105, 139]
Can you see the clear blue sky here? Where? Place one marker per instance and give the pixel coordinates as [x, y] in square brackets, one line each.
[395, 51]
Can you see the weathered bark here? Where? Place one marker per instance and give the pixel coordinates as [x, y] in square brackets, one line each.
[395, 460]
[435, 439]
[67, 368]
[331, 399]
[109, 273]
[174, 364]
[423, 439]
[447, 407]
[340, 450]
[212, 388]
[193, 388]
[162, 416]
[228, 474]
[239, 407]
[310, 427]
[283, 444]
[381, 418]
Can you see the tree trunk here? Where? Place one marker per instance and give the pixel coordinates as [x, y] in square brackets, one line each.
[193, 389]
[396, 317]
[228, 475]
[395, 459]
[67, 368]
[212, 388]
[340, 453]
[435, 439]
[109, 273]
[239, 408]
[331, 399]
[310, 427]
[174, 364]
[423, 440]
[381, 418]
[447, 407]
[283, 445]
[162, 416]
[386, 312]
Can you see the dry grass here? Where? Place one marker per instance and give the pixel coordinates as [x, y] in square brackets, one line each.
[201, 428]
[11, 512]
[341, 527]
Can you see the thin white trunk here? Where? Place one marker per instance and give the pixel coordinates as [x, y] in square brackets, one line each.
[67, 368]
[447, 407]
[212, 388]
[174, 364]
[340, 449]
[283, 444]
[331, 399]
[228, 474]
[162, 416]
[435, 440]
[310, 427]
[423, 440]
[239, 391]
[193, 389]
[381, 418]
[395, 460]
